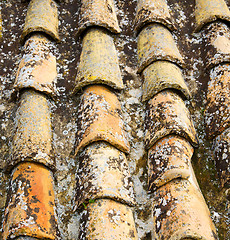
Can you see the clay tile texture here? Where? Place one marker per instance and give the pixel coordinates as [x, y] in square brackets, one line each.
[161, 75]
[0, 26]
[207, 11]
[167, 114]
[179, 212]
[30, 208]
[32, 140]
[103, 173]
[98, 13]
[155, 42]
[98, 61]
[149, 11]
[117, 217]
[99, 119]
[37, 68]
[217, 112]
[42, 16]
[168, 159]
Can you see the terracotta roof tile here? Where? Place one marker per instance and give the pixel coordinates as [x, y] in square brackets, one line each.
[149, 11]
[103, 173]
[37, 68]
[167, 114]
[33, 137]
[168, 159]
[180, 212]
[155, 42]
[99, 119]
[31, 207]
[208, 11]
[161, 75]
[222, 157]
[98, 61]
[42, 16]
[217, 112]
[98, 13]
[107, 219]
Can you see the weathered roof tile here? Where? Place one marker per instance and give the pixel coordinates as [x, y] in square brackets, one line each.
[98, 61]
[107, 219]
[33, 137]
[99, 119]
[98, 13]
[168, 159]
[180, 212]
[37, 68]
[167, 114]
[103, 173]
[161, 75]
[31, 207]
[149, 11]
[208, 11]
[155, 42]
[42, 16]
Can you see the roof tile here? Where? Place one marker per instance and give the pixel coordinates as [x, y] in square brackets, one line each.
[155, 42]
[99, 119]
[42, 16]
[149, 11]
[161, 75]
[168, 159]
[167, 114]
[208, 11]
[31, 207]
[98, 61]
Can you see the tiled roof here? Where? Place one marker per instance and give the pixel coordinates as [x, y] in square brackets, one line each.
[99, 131]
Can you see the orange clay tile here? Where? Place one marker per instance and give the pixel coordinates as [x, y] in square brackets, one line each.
[149, 11]
[167, 114]
[162, 75]
[103, 173]
[222, 157]
[169, 159]
[98, 61]
[208, 11]
[42, 16]
[99, 119]
[217, 112]
[155, 42]
[107, 219]
[32, 140]
[37, 68]
[180, 212]
[217, 44]
[0, 26]
[98, 13]
[30, 209]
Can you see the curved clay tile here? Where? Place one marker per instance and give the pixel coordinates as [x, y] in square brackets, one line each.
[222, 157]
[30, 210]
[98, 61]
[98, 13]
[152, 11]
[99, 119]
[168, 159]
[107, 219]
[161, 75]
[217, 44]
[180, 212]
[208, 11]
[103, 173]
[167, 114]
[33, 137]
[155, 42]
[37, 68]
[217, 112]
[42, 16]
